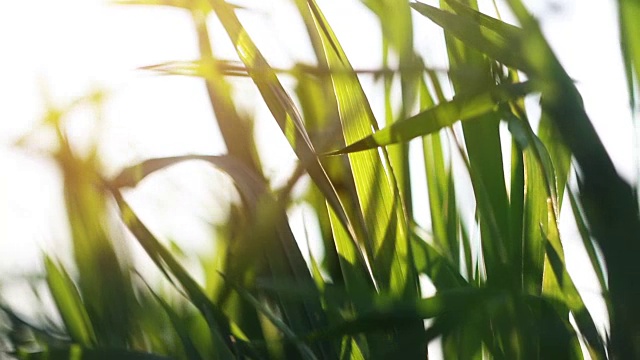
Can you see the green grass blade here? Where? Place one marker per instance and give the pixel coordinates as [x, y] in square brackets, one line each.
[69, 304]
[387, 239]
[609, 201]
[304, 350]
[441, 271]
[218, 323]
[629, 21]
[375, 183]
[568, 293]
[397, 35]
[493, 37]
[236, 130]
[275, 238]
[437, 186]
[79, 353]
[100, 267]
[462, 107]
[280, 104]
[581, 223]
[541, 234]
[180, 327]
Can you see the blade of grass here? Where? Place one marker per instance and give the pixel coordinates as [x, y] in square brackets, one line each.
[304, 350]
[397, 34]
[275, 237]
[357, 119]
[629, 22]
[190, 348]
[219, 324]
[387, 243]
[69, 304]
[281, 106]
[462, 107]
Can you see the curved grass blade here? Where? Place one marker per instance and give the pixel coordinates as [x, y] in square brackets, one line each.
[47, 333]
[236, 130]
[220, 325]
[271, 229]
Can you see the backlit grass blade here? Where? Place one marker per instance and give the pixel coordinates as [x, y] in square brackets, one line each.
[461, 108]
[397, 36]
[316, 99]
[430, 261]
[101, 268]
[357, 282]
[538, 203]
[280, 104]
[190, 349]
[69, 304]
[589, 246]
[375, 183]
[183, 4]
[609, 201]
[271, 234]
[559, 155]
[568, 293]
[387, 238]
[322, 116]
[472, 72]
[499, 40]
[629, 22]
[441, 190]
[236, 130]
[304, 351]
[437, 186]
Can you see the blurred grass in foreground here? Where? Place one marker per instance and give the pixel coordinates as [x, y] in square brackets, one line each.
[506, 294]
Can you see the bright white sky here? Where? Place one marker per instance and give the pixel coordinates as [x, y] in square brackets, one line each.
[72, 46]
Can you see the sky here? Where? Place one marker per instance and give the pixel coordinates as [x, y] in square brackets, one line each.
[65, 48]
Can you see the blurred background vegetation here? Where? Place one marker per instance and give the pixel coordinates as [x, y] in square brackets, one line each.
[328, 259]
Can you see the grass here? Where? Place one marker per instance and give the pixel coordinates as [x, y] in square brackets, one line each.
[504, 293]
